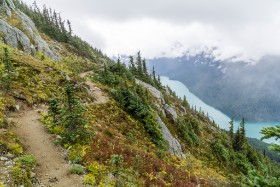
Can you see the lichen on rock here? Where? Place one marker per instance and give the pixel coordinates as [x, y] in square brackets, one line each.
[24, 35]
[174, 146]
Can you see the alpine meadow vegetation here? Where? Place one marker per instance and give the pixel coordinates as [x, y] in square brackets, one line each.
[118, 142]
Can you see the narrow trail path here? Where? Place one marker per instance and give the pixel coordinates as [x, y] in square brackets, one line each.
[52, 169]
[95, 91]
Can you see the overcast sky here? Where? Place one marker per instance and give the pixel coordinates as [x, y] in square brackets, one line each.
[243, 29]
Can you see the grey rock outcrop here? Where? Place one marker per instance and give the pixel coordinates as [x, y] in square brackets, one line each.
[15, 37]
[174, 146]
[170, 111]
[167, 91]
[183, 109]
[24, 37]
[5, 8]
[155, 92]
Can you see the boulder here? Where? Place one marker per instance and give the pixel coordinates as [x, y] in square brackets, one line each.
[160, 109]
[3, 158]
[183, 109]
[4, 9]
[33, 175]
[170, 111]
[174, 146]
[14, 37]
[24, 37]
[58, 137]
[8, 163]
[155, 92]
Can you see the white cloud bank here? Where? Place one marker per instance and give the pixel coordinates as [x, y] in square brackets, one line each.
[243, 30]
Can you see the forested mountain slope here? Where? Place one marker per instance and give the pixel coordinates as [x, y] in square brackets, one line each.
[238, 89]
[115, 126]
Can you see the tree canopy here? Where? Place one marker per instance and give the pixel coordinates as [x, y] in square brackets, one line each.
[272, 132]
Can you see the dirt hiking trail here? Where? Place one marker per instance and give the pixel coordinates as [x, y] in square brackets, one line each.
[52, 169]
[94, 91]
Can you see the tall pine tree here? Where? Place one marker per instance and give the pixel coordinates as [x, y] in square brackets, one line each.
[231, 134]
[73, 119]
[185, 102]
[236, 141]
[69, 28]
[154, 74]
[145, 71]
[139, 63]
[132, 65]
[242, 131]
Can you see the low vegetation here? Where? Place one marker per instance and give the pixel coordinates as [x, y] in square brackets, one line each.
[120, 143]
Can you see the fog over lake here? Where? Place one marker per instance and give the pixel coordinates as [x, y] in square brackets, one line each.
[252, 129]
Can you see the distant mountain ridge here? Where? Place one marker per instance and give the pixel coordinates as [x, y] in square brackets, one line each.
[112, 125]
[261, 146]
[238, 89]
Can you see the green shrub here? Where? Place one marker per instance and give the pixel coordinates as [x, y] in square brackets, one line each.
[27, 160]
[70, 115]
[90, 179]
[185, 129]
[220, 151]
[134, 105]
[21, 176]
[77, 169]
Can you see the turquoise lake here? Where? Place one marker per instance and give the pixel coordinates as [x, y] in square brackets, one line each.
[252, 129]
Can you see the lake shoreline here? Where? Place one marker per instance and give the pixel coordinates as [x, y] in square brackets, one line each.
[220, 118]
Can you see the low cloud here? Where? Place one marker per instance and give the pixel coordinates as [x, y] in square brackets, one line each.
[242, 30]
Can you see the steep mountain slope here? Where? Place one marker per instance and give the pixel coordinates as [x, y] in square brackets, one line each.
[118, 126]
[18, 31]
[237, 89]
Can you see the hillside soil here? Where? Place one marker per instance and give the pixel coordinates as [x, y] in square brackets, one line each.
[96, 92]
[52, 169]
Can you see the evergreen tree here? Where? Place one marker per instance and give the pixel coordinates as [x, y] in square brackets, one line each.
[185, 102]
[158, 83]
[237, 141]
[154, 74]
[54, 110]
[272, 132]
[55, 18]
[132, 65]
[139, 64]
[231, 135]
[51, 23]
[69, 28]
[73, 121]
[145, 71]
[119, 65]
[242, 131]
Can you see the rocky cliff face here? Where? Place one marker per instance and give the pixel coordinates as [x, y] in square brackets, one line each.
[17, 30]
[174, 145]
